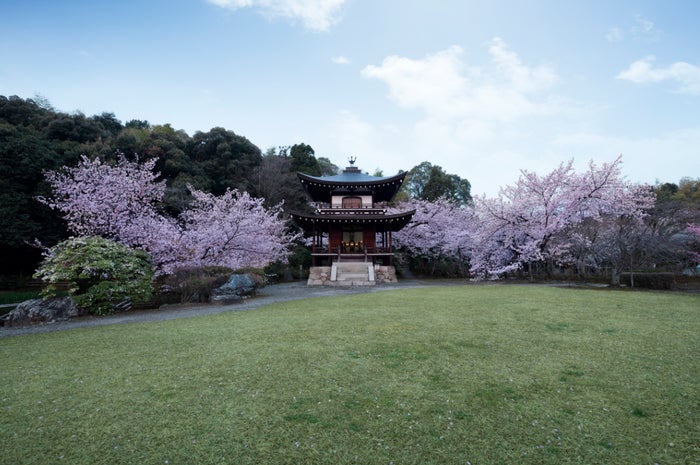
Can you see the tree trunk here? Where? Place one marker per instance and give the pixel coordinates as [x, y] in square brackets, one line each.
[615, 277]
[631, 273]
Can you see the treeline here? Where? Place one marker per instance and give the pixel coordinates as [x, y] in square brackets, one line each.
[589, 225]
[35, 138]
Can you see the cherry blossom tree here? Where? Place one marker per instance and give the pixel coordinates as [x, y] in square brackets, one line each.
[437, 227]
[121, 202]
[233, 230]
[98, 199]
[694, 229]
[439, 230]
[530, 224]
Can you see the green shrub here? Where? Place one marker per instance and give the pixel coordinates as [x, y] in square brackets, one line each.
[194, 284]
[296, 266]
[648, 280]
[100, 274]
[278, 271]
[299, 262]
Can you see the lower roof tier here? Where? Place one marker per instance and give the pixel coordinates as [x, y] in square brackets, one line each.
[324, 223]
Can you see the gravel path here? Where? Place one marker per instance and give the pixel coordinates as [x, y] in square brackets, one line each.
[267, 295]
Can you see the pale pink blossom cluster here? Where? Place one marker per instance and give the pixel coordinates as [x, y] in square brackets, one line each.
[121, 202]
[695, 230]
[539, 219]
[535, 220]
[438, 229]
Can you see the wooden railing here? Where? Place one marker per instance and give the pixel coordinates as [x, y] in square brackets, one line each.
[316, 249]
[351, 211]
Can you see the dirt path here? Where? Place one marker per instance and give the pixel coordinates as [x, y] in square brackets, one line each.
[268, 295]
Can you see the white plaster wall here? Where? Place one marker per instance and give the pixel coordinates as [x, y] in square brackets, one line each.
[337, 200]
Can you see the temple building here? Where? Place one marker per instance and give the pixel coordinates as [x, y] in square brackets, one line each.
[351, 230]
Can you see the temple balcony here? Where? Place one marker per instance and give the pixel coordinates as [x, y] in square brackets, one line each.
[351, 211]
[350, 252]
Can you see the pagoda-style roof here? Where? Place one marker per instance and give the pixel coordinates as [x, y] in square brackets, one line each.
[351, 181]
[381, 222]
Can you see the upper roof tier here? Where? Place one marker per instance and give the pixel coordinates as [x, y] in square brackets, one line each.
[351, 181]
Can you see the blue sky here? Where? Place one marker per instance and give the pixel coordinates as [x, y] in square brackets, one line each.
[483, 89]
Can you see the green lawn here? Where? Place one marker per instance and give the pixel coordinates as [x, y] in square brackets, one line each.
[451, 375]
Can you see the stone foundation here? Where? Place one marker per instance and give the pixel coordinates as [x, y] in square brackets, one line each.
[385, 274]
[322, 276]
[319, 276]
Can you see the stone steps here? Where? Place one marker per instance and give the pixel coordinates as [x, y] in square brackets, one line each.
[352, 276]
[326, 276]
[352, 273]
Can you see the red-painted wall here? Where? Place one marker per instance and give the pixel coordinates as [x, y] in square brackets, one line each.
[335, 237]
[369, 237]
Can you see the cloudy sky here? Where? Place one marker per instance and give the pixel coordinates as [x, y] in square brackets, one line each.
[481, 88]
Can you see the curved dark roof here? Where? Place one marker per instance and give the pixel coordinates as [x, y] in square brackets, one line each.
[393, 222]
[320, 189]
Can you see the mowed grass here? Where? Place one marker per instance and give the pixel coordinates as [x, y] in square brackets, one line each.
[449, 375]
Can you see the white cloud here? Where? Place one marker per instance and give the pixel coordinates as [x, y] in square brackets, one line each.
[641, 29]
[478, 120]
[615, 34]
[486, 121]
[442, 86]
[340, 60]
[687, 76]
[644, 28]
[521, 77]
[317, 15]
[433, 84]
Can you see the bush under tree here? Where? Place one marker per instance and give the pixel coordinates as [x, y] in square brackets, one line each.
[101, 275]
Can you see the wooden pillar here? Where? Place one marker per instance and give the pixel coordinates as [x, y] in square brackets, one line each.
[391, 255]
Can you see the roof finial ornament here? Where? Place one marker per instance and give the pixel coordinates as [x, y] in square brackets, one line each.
[352, 160]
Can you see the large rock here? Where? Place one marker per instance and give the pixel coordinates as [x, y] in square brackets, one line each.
[42, 311]
[238, 287]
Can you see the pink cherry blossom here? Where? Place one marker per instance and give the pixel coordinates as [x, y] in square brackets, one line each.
[438, 229]
[532, 221]
[121, 202]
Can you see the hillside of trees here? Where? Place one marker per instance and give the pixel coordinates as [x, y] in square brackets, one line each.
[36, 138]
[453, 234]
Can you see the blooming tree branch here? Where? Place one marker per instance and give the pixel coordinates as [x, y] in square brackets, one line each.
[121, 202]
